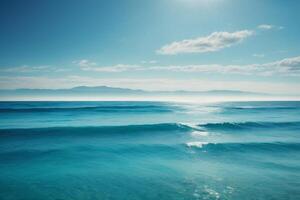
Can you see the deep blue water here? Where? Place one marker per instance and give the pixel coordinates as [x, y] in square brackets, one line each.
[149, 150]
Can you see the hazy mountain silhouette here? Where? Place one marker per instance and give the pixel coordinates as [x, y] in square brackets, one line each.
[99, 91]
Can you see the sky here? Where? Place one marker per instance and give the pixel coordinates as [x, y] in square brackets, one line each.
[191, 45]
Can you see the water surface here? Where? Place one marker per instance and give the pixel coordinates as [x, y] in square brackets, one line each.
[149, 150]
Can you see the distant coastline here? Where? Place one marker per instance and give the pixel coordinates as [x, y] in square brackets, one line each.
[114, 93]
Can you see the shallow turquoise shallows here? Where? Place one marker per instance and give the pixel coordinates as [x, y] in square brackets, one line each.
[149, 150]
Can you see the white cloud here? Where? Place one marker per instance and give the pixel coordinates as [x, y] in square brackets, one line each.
[288, 65]
[149, 62]
[265, 26]
[84, 63]
[87, 65]
[269, 27]
[114, 68]
[30, 69]
[285, 67]
[24, 68]
[214, 42]
[258, 55]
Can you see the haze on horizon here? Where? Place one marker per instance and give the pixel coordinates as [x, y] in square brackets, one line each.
[162, 45]
[104, 93]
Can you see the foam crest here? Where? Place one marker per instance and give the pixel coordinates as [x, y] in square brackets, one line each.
[196, 144]
[199, 133]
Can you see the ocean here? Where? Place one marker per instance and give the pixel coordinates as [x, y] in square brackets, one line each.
[149, 150]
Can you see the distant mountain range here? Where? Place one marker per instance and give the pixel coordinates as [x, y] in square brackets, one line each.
[104, 91]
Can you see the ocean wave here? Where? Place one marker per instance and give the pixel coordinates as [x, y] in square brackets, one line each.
[182, 150]
[98, 130]
[249, 125]
[242, 147]
[161, 128]
[85, 151]
[26, 154]
[261, 108]
[117, 108]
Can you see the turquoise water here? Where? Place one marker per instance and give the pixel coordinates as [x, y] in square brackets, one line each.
[149, 150]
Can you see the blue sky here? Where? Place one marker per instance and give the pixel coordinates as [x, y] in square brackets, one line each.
[151, 44]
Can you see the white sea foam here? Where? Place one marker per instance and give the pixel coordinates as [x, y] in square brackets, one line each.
[199, 133]
[200, 109]
[196, 144]
[211, 193]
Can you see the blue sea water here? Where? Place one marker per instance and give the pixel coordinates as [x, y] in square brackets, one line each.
[149, 150]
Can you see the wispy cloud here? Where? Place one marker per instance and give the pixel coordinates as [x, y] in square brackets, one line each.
[258, 55]
[213, 42]
[269, 27]
[84, 63]
[265, 26]
[149, 62]
[87, 65]
[285, 67]
[30, 69]
[113, 68]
